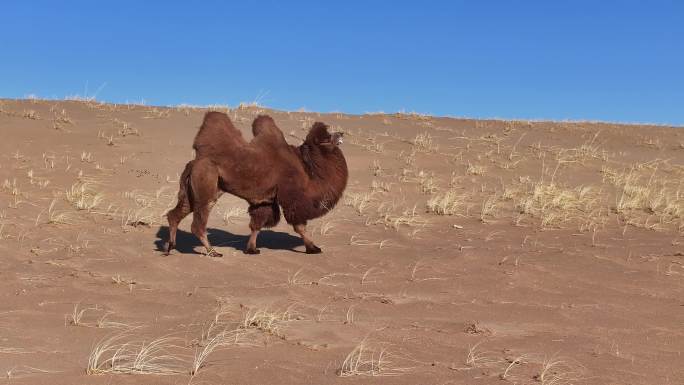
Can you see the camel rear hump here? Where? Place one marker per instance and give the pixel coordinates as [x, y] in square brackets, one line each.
[267, 133]
[216, 135]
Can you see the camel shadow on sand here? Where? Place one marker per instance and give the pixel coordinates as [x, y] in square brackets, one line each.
[187, 242]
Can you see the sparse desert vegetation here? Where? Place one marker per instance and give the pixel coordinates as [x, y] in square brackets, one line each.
[463, 251]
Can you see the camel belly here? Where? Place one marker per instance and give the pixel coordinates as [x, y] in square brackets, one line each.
[251, 190]
[249, 176]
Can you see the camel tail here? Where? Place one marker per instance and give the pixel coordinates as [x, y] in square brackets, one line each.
[184, 192]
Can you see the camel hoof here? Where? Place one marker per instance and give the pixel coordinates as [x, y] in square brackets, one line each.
[214, 254]
[313, 250]
[252, 251]
[169, 247]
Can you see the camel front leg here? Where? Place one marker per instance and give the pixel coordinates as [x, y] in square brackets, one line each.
[308, 243]
[251, 243]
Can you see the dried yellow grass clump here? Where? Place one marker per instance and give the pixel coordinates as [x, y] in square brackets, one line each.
[83, 196]
[424, 143]
[123, 353]
[427, 182]
[587, 151]
[162, 356]
[267, 321]
[212, 342]
[390, 219]
[57, 217]
[556, 205]
[555, 371]
[448, 203]
[359, 201]
[367, 360]
[647, 195]
[474, 169]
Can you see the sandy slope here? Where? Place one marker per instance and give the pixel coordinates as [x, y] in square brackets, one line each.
[562, 259]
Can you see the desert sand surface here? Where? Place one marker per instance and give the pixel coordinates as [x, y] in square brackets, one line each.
[463, 252]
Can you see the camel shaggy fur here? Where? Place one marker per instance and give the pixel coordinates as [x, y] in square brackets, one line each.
[306, 181]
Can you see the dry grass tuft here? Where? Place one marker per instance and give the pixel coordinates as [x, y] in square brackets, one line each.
[424, 143]
[448, 203]
[16, 194]
[76, 316]
[122, 353]
[490, 207]
[62, 117]
[234, 213]
[558, 372]
[105, 323]
[326, 227]
[377, 169]
[356, 241]
[162, 356]
[267, 321]
[474, 169]
[556, 205]
[390, 219]
[367, 360]
[216, 335]
[427, 182]
[588, 150]
[639, 195]
[31, 114]
[380, 186]
[374, 146]
[213, 342]
[479, 358]
[83, 196]
[57, 217]
[124, 128]
[359, 201]
[157, 113]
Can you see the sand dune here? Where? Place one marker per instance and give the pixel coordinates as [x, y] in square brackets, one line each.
[464, 251]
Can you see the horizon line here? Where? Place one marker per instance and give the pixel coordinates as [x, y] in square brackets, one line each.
[257, 104]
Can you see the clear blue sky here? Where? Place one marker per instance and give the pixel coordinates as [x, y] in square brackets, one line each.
[603, 60]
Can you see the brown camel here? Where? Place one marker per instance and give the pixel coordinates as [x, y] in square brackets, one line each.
[306, 181]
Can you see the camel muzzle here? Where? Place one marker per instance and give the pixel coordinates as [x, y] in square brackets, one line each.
[337, 138]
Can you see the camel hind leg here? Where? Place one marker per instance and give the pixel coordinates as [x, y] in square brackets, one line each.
[199, 227]
[182, 209]
[205, 193]
[175, 216]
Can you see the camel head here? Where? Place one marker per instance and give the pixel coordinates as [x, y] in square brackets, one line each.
[319, 136]
[322, 155]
